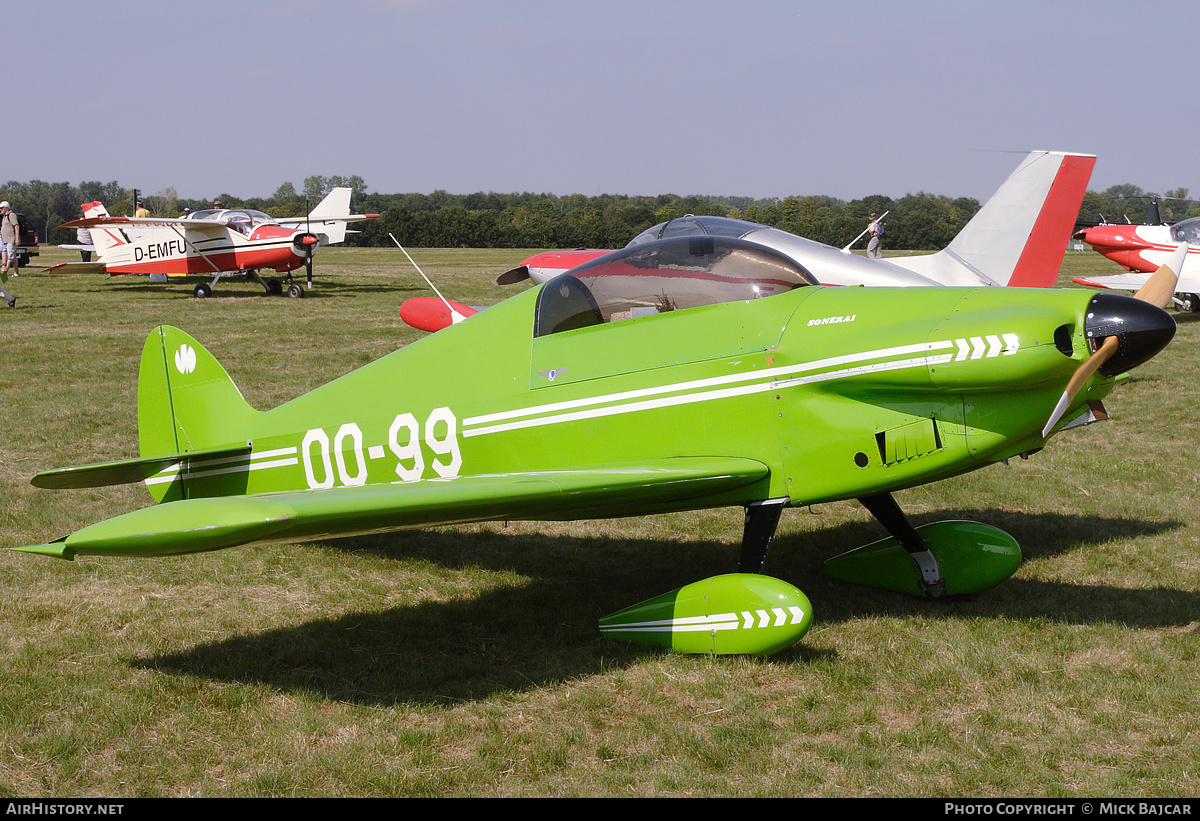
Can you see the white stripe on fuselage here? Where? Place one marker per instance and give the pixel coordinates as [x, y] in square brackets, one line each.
[702, 390]
[769, 373]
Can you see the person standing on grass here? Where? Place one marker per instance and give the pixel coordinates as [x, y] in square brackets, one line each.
[10, 236]
[875, 244]
[84, 237]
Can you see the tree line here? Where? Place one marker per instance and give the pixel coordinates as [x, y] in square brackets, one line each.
[916, 222]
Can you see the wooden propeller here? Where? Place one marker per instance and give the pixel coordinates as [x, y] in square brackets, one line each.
[1157, 291]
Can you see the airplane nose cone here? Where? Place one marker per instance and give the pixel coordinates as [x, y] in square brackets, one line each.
[305, 244]
[1141, 329]
[1113, 238]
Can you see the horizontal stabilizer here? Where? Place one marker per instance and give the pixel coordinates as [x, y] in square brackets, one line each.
[124, 471]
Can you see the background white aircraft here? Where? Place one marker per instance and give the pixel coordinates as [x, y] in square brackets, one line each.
[1017, 238]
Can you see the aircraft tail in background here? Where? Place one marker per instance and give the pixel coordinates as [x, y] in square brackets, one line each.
[1021, 233]
[328, 220]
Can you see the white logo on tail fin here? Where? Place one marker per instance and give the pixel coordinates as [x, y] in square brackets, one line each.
[185, 359]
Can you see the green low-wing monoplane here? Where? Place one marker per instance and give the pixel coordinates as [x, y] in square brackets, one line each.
[686, 373]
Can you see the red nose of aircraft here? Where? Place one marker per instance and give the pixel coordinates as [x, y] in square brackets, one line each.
[1120, 243]
[1111, 237]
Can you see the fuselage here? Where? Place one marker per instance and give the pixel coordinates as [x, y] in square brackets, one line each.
[1144, 248]
[167, 252]
[836, 391]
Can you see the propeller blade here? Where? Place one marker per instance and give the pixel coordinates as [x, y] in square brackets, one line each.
[515, 275]
[1157, 291]
[1080, 378]
[1161, 284]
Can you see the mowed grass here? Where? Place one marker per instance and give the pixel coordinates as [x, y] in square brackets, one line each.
[466, 661]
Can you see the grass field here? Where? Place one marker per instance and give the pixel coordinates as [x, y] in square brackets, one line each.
[466, 661]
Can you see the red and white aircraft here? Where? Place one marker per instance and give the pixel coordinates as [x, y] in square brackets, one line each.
[214, 243]
[1017, 238]
[1141, 249]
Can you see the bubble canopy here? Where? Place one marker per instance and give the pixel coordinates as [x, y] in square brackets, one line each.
[1186, 231]
[691, 224]
[661, 276]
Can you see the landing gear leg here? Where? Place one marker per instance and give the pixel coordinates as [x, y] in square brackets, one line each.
[204, 290]
[761, 520]
[884, 508]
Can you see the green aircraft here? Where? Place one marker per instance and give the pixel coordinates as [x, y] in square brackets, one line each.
[687, 373]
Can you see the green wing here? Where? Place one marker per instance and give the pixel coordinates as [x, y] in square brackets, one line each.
[195, 525]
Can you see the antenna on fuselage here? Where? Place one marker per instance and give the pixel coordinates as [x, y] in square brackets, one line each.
[455, 316]
[846, 250]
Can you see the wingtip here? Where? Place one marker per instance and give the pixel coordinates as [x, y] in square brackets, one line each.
[57, 550]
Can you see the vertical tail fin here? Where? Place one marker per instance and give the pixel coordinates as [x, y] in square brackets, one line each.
[186, 400]
[1020, 234]
[329, 218]
[335, 204]
[103, 239]
[335, 208]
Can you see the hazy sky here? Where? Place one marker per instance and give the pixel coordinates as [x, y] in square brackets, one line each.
[761, 98]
